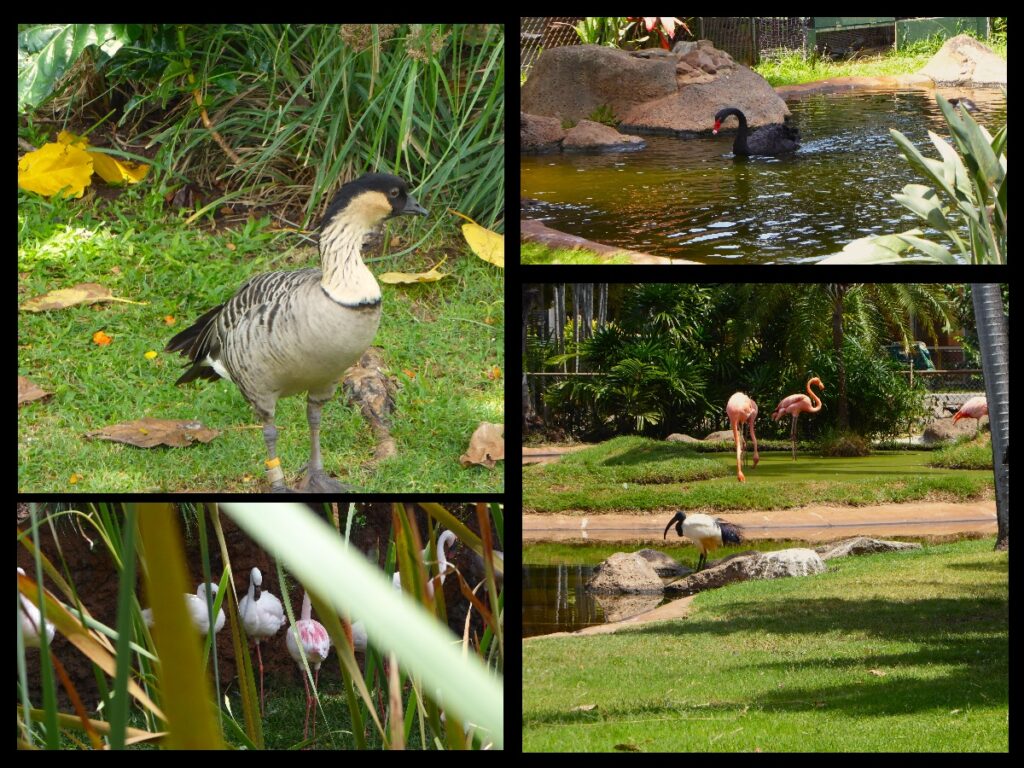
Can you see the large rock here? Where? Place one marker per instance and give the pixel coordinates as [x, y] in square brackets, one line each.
[678, 437]
[574, 80]
[663, 564]
[540, 134]
[651, 90]
[962, 61]
[625, 572]
[749, 565]
[588, 136]
[862, 545]
[787, 562]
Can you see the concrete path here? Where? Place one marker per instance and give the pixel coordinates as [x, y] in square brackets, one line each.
[812, 523]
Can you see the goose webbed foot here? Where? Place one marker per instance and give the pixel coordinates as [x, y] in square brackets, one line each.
[318, 481]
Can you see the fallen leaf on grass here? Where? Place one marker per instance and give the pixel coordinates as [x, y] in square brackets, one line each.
[488, 245]
[83, 293]
[486, 446]
[101, 339]
[147, 433]
[627, 748]
[584, 708]
[494, 373]
[877, 672]
[28, 392]
[430, 276]
[55, 167]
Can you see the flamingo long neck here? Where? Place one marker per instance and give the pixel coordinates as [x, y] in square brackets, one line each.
[815, 400]
[442, 562]
[307, 607]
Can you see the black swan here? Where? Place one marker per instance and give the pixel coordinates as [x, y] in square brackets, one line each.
[967, 104]
[767, 140]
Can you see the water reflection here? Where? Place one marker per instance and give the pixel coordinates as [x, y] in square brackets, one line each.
[555, 599]
[691, 198]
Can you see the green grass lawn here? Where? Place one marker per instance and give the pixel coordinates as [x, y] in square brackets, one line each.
[440, 340]
[793, 68]
[638, 474]
[535, 253]
[896, 652]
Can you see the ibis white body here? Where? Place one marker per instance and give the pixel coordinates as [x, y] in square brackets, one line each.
[706, 532]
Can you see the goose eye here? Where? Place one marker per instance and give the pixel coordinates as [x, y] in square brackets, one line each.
[394, 192]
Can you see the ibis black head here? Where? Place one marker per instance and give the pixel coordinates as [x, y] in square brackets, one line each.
[678, 520]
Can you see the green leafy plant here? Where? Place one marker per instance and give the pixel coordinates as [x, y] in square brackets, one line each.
[604, 114]
[968, 192]
[601, 30]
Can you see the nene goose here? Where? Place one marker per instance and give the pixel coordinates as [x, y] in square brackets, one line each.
[285, 333]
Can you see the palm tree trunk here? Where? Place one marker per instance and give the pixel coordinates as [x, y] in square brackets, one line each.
[994, 340]
[838, 295]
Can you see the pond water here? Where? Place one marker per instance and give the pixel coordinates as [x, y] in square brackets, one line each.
[555, 599]
[692, 199]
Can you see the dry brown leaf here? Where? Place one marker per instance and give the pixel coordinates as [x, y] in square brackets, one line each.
[83, 293]
[486, 446]
[627, 748]
[148, 433]
[877, 672]
[28, 392]
[368, 385]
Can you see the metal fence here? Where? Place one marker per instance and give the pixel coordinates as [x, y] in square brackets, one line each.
[537, 33]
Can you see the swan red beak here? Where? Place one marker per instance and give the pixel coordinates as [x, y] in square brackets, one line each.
[718, 123]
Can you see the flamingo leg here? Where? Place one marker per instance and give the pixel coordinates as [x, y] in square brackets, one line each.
[316, 687]
[305, 728]
[753, 438]
[259, 656]
[792, 434]
[739, 452]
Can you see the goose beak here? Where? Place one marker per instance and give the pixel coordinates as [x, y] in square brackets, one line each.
[411, 206]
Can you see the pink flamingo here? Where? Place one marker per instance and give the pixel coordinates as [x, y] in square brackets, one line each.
[316, 643]
[262, 616]
[974, 408]
[794, 405]
[742, 410]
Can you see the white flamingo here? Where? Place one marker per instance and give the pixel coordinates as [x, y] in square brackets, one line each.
[446, 538]
[197, 609]
[30, 620]
[316, 643]
[262, 616]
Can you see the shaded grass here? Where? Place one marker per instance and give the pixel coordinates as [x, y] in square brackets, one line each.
[893, 652]
[440, 340]
[637, 474]
[535, 253]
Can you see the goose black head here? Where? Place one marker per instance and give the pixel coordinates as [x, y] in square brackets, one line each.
[678, 520]
[370, 199]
